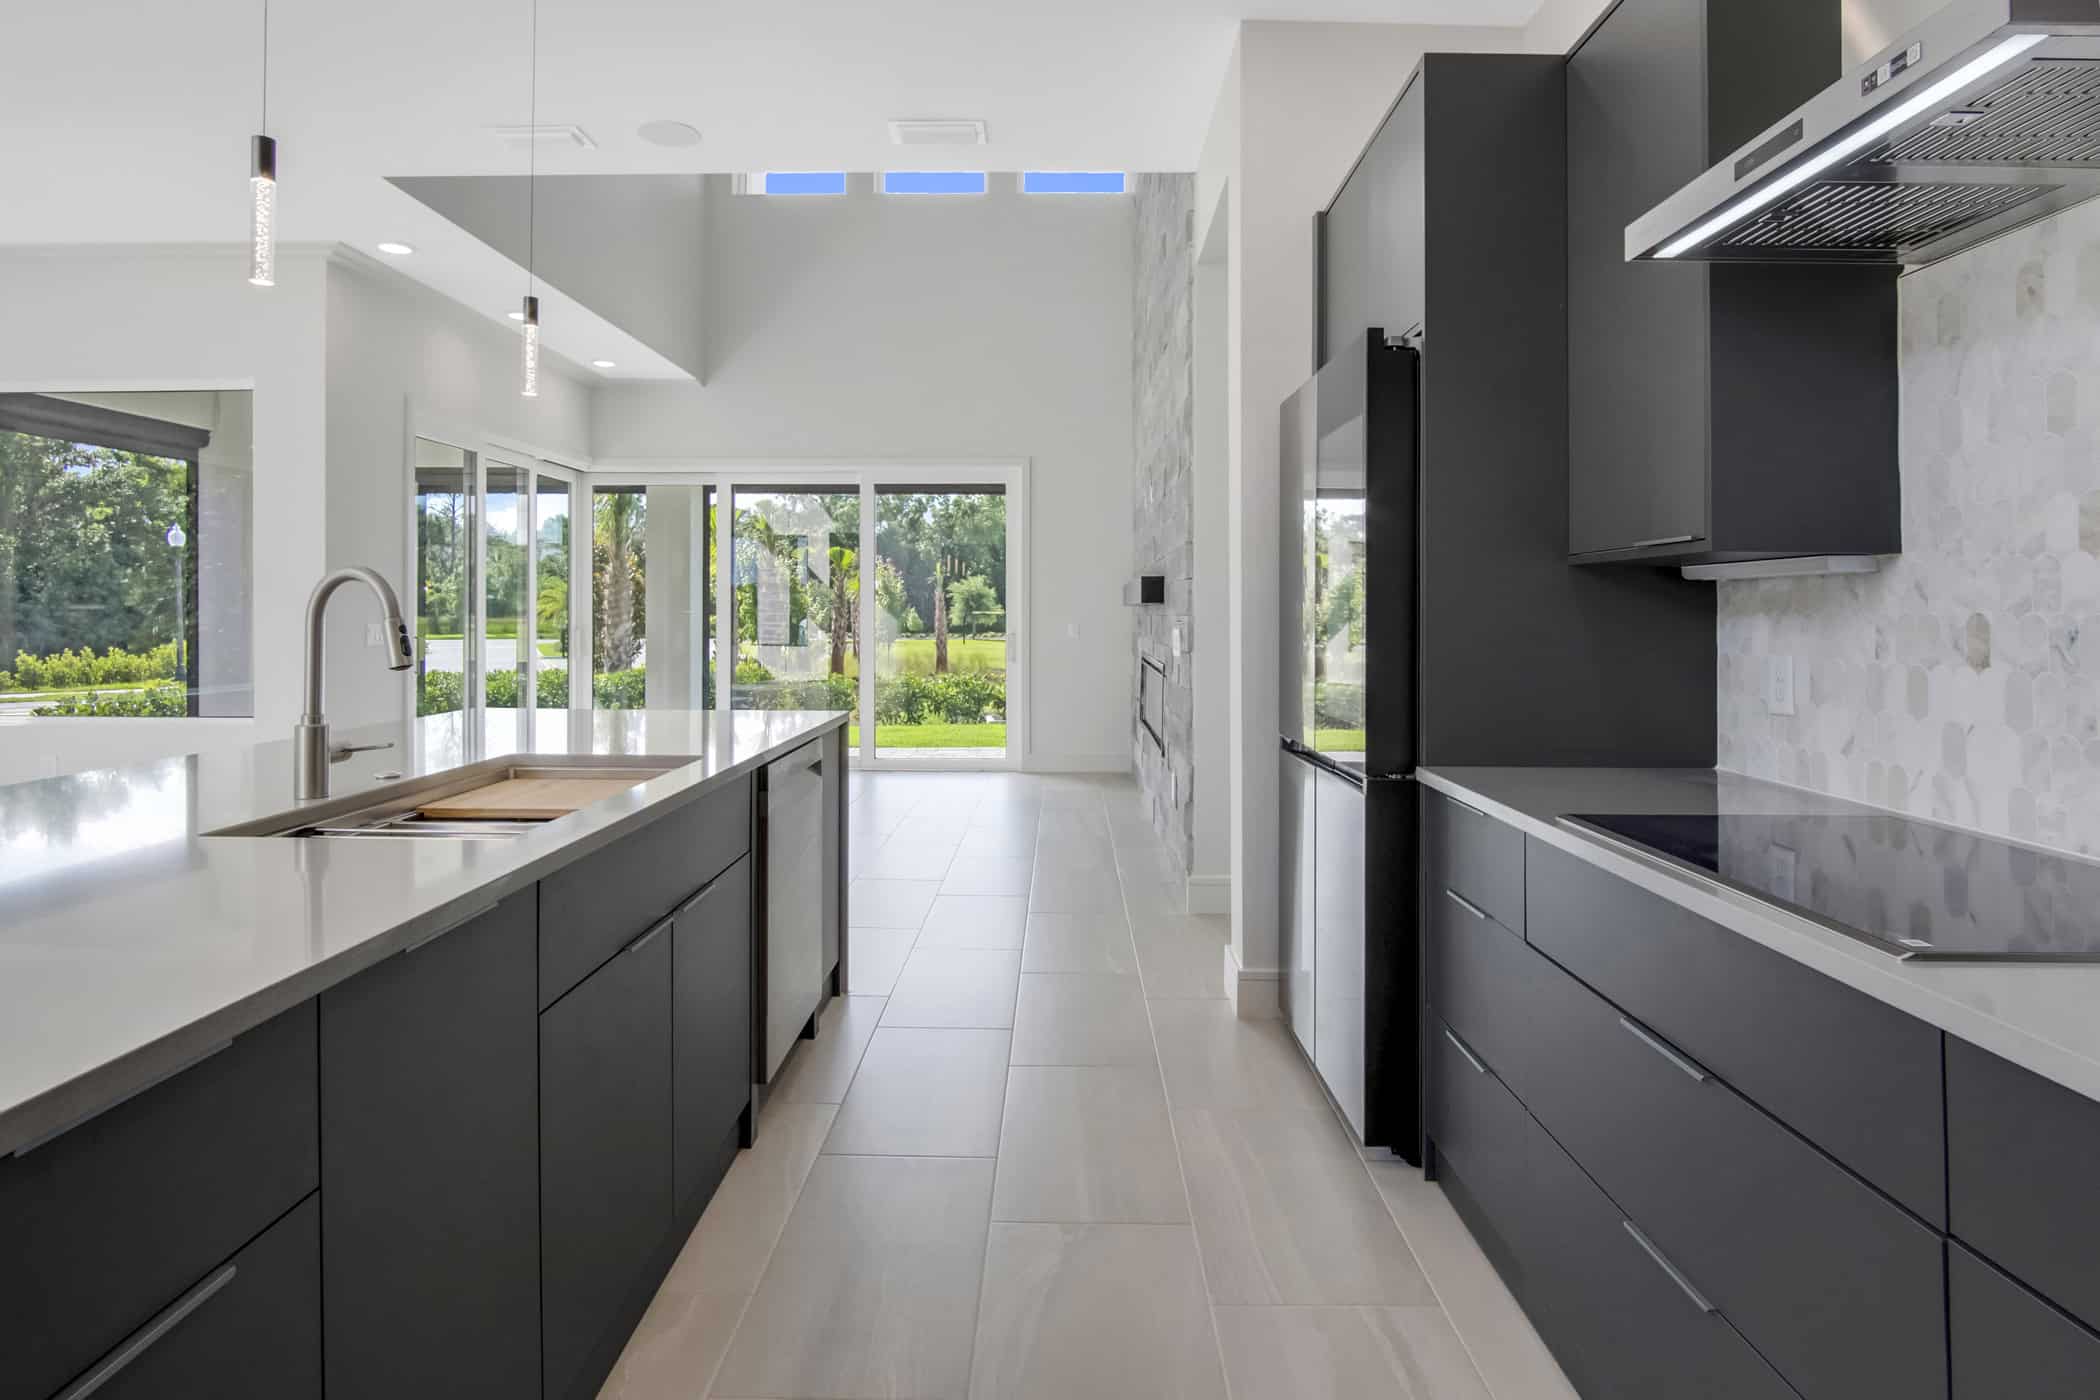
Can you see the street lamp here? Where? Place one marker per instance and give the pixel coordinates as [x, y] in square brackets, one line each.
[176, 540]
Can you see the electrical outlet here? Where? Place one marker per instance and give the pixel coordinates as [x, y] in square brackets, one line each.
[375, 634]
[1779, 685]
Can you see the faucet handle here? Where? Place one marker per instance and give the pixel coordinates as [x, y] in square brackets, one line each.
[342, 752]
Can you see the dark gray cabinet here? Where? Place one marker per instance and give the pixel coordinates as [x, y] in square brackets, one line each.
[1716, 411]
[711, 1007]
[1615, 1315]
[429, 1168]
[108, 1224]
[1473, 861]
[605, 1158]
[2006, 1341]
[2022, 1157]
[249, 1330]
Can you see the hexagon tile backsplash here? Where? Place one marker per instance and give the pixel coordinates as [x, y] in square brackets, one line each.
[1963, 681]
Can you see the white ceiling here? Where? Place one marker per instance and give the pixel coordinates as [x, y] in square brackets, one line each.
[123, 121]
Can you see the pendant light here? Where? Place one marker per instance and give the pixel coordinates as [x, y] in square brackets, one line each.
[531, 385]
[262, 182]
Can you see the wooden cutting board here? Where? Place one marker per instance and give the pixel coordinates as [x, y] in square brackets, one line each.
[526, 799]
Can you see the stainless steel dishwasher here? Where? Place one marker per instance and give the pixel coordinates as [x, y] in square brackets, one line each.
[791, 825]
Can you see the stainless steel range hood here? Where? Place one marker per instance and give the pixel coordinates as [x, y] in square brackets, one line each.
[1982, 118]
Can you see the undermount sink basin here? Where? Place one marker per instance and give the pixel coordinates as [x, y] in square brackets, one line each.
[390, 812]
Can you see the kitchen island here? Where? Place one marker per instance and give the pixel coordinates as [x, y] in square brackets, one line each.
[499, 1078]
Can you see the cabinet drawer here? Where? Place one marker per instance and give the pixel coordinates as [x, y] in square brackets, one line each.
[1479, 982]
[594, 908]
[249, 1330]
[107, 1224]
[2022, 1156]
[1476, 858]
[2006, 1341]
[1857, 1078]
[1615, 1319]
[1836, 1286]
[710, 1034]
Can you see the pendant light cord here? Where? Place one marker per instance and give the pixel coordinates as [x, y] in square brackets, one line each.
[532, 149]
[266, 67]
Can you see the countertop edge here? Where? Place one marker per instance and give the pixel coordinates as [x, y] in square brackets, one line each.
[1893, 982]
[96, 1090]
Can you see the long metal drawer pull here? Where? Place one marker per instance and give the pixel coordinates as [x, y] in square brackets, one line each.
[142, 1340]
[1667, 1052]
[1471, 1058]
[154, 1083]
[1466, 904]
[1662, 539]
[646, 939]
[459, 923]
[1662, 1262]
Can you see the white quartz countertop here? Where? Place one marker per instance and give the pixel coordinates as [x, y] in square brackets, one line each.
[2043, 1016]
[132, 941]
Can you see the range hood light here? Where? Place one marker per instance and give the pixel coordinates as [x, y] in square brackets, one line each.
[1859, 140]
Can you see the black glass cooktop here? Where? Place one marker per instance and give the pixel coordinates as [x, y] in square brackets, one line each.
[1914, 890]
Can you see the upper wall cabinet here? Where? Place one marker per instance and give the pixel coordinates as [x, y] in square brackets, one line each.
[1717, 412]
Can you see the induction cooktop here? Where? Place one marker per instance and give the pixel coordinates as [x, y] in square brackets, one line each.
[1908, 888]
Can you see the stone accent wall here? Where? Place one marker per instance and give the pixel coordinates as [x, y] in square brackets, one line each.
[1963, 681]
[1164, 528]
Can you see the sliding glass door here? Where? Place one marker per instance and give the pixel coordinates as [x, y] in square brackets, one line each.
[940, 622]
[796, 565]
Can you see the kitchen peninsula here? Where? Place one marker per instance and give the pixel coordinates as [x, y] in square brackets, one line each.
[471, 1092]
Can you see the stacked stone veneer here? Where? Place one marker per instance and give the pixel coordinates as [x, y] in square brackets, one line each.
[1163, 424]
[1963, 681]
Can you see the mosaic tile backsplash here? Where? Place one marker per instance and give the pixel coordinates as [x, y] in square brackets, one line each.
[1962, 682]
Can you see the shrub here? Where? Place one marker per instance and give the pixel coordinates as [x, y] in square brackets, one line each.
[155, 701]
[78, 670]
[621, 690]
[964, 697]
[1338, 706]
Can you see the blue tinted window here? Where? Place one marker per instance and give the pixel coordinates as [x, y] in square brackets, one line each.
[933, 182]
[805, 182]
[1072, 182]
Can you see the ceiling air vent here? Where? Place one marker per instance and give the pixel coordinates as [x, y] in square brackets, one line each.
[937, 131]
[566, 137]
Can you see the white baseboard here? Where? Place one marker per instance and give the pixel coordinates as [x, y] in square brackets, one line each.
[1209, 894]
[1077, 763]
[1255, 993]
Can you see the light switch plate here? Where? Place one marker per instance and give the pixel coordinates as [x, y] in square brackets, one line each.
[1779, 685]
[375, 634]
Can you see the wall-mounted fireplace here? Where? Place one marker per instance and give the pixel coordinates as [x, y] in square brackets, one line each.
[1152, 700]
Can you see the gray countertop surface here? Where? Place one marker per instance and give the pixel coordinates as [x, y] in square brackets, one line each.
[2043, 1016]
[133, 941]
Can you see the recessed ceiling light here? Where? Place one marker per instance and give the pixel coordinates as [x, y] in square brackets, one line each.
[398, 250]
[667, 133]
[515, 315]
[603, 364]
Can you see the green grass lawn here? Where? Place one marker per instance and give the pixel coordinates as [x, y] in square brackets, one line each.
[932, 736]
[913, 656]
[1338, 740]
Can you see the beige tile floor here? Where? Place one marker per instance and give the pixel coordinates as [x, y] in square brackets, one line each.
[1033, 1153]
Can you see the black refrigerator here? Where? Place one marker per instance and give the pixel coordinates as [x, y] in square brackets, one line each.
[1350, 460]
[1430, 614]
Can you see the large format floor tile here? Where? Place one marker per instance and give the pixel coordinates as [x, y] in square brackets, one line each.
[1094, 1312]
[1345, 1353]
[1077, 1018]
[976, 921]
[1212, 1058]
[1004, 874]
[1181, 955]
[925, 1093]
[1075, 887]
[1093, 942]
[873, 1287]
[1088, 1143]
[819, 1071]
[875, 957]
[1507, 1350]
[955, 987]
[873, 903]
[904, 857]
[1286, 1211]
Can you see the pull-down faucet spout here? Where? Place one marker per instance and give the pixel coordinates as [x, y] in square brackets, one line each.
[310, 752]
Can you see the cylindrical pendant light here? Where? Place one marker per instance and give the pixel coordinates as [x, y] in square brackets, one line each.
[531, 389]
[530, 385]
[262, 184]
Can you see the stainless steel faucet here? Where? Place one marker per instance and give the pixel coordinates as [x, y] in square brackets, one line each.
[311, 754]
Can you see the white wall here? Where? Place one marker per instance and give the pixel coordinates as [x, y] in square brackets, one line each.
[1210, 868]
[868, 329]
[142, 318]
[397, 351]
[1299, 104]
